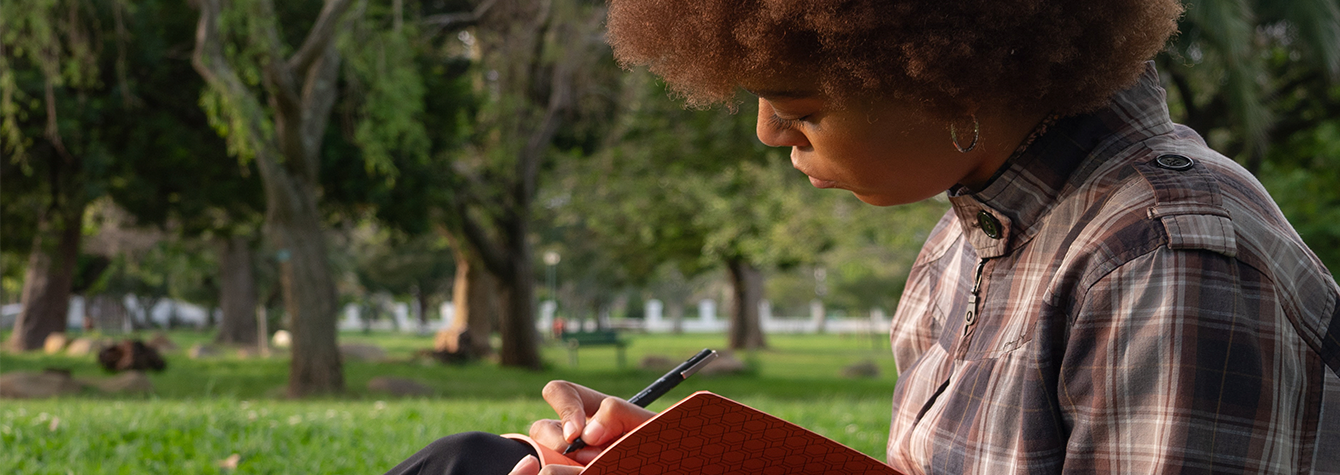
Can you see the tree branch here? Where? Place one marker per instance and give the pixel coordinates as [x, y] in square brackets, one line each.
[321, 35]
[528, 164]
[493, 257]
[208, 60]
[318, 97]
[562, 97]
[459, 19]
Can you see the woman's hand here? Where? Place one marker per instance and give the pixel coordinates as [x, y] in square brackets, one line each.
[597, 418]
[531, 466]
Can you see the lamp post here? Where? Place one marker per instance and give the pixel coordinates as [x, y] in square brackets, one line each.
[817, 312]
[551, 259]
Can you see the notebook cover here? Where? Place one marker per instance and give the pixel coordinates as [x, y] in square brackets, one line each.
[709, 434]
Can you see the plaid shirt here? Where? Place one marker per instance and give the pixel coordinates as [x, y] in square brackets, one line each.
[1136, 312]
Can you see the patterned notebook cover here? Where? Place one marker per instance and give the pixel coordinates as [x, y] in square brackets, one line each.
[709, 434]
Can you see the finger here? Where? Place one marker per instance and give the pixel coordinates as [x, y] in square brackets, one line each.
[586, 454]
[614, 418]
[573, 403]
[561, 470]
[549, 433]
[529, 465]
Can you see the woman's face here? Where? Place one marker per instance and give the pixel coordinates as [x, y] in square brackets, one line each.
[886, 154]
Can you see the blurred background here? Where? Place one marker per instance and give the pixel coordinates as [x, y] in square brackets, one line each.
[477, 185]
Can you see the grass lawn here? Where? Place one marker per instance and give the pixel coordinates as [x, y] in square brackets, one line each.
[205, 410]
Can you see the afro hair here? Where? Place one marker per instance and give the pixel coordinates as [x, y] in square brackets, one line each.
[946, 57]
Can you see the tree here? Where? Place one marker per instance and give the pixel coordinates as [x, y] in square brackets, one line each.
[422, 84]
[698, 189]
[415, 266]
[56, 157]
[173, 170]
[1221, 71]
[284, 137]
[531, 56]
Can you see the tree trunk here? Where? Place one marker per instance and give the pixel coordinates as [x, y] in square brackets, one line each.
[237, 293]
[520, 341]
[301, 90]
[475, 306]
[513, 34]
[746, 331]
[49, 277]
[309, 296]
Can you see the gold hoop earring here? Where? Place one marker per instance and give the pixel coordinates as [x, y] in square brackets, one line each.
[976, 134]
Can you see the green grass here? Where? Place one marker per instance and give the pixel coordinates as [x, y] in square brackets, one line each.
[205, 410]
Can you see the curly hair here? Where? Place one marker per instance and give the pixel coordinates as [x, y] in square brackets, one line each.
[945, 57]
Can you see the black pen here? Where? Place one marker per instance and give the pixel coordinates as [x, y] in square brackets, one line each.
[661, 386]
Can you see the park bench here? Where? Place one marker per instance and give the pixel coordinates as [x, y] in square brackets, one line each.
[575, 340]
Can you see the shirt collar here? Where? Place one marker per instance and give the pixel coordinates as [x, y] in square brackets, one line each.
[1009, 210]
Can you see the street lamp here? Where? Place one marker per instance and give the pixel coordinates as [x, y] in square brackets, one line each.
[551, 259]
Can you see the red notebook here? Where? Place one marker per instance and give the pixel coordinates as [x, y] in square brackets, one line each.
[709, 434]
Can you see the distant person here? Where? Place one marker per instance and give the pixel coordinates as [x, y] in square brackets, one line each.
[558, 327]
[1107, 295]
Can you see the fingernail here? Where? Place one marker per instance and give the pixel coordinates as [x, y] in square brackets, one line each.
[594, 433]
[569, 431]
[528, 464]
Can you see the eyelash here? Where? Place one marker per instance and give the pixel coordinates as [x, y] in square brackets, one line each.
[785, 124]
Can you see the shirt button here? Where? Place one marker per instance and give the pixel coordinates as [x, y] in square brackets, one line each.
[989, 224]
[1174, 162]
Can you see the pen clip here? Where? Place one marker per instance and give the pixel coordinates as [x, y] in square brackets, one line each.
[699, 365]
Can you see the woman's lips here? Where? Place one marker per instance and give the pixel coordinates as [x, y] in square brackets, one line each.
[822, 183]
[818, 183]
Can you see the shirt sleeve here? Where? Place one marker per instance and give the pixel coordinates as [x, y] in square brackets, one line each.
[1185, 361]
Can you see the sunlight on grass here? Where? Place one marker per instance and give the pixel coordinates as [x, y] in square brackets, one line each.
[206, 410]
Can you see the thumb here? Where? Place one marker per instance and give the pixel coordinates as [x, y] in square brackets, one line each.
[561, 470]
[529, 465]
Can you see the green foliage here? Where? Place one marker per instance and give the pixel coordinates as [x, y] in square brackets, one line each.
[384, 74]
[228, 117]
[389, 157]
[1305, 186]
[1225, 80]
[695, 188]
[169, 269]
[54, 37]
[171, 166]
[685, 186]
[406, 266]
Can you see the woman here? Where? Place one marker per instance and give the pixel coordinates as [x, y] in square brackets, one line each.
[1107, 293]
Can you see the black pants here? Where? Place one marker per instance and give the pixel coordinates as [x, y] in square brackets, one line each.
[467, 453]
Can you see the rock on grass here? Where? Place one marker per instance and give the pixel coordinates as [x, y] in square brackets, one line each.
[32, 385]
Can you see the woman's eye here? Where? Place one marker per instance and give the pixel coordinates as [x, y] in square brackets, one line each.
[785, 124]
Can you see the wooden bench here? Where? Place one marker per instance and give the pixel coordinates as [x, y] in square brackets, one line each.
[576, 340]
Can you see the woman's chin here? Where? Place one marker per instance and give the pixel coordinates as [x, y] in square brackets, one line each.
[822, 183]
[881, 200]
